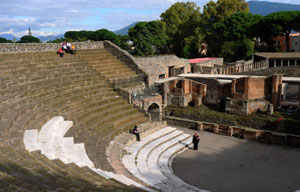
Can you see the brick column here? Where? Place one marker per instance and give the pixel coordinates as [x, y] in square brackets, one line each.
[276, 90]
[233, 88]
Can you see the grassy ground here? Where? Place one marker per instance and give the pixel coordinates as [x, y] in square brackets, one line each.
[257, 120]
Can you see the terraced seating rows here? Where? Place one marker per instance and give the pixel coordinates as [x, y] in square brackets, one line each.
[37, 86]
[148, 160]
[110, 67]
[24, 171]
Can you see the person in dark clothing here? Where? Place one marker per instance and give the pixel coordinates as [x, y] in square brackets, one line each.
[196, 140]
[137, 133]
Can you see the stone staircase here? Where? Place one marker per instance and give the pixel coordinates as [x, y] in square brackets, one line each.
[24, 171]
[37, 86]
[114, 70]
[51, 142]
[150, 159]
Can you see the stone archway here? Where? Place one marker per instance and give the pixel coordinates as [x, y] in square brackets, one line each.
[154, 112]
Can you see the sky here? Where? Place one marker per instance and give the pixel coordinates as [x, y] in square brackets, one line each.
[53, 17]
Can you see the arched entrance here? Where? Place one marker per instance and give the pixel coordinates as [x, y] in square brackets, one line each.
[154, 112]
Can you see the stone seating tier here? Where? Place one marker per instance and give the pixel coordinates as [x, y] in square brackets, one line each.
[24, 171]
[35, 87]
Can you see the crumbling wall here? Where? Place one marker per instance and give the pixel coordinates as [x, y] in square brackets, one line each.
[158, 65]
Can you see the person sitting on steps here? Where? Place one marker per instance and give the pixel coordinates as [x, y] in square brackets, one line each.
[137, 133]
[73, 49]
[69, 45]
[60, 52]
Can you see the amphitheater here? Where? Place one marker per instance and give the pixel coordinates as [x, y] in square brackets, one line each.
[65, 128]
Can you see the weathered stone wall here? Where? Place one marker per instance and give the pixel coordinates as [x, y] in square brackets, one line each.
[33, 47]
[125, 57]
[158, 65]
[211, 91]
[246, 133]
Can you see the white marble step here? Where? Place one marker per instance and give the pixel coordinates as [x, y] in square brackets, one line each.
[104, 174]
[67, 150]
[52, 143]
[152, 160]
[129, 160]
[143, 155]
[173, 182]
[46, 132]
[82, 158]
[31, 140]
[57, 139]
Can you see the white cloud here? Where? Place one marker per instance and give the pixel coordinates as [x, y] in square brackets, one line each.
[60, 15]
[11, 31]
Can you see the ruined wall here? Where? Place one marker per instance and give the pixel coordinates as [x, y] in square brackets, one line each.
[158, 65]
[212, 91]
[33, 47]
[255, 88]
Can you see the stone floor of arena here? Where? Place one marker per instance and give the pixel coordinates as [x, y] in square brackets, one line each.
[232, 165]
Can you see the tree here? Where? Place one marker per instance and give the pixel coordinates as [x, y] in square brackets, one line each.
[29, 39]
[182, 22]
[279, 23]
[214, 12]
[234, 33]
[123, 42]
[78, 35]
[148, 37]
[102, 34]
[3, 40]
[237, 50]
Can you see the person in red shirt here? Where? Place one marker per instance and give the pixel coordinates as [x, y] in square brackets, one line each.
[60, 52]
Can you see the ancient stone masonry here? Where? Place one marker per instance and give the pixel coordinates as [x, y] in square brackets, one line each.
[165, 66]
[33, 47]
[230, 68]
[278, 59]
[182, 92]
[249, 94]
[127, 59]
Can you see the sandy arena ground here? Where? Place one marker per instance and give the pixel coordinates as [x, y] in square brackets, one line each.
[228, 164]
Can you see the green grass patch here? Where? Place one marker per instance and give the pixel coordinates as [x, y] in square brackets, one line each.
[258, 120]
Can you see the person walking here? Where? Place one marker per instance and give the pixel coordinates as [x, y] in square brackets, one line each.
[137, 133]
[196, 140]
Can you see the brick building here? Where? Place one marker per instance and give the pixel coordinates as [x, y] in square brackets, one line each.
[249, 94]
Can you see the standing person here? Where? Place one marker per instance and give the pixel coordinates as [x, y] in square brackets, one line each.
[196, 140]
[137, 133]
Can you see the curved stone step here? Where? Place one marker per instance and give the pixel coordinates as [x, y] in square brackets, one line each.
[51, 141]
[149, 159]
[142, 157]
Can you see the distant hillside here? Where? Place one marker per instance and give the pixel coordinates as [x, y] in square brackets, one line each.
[42, 38]
[124, 31]
[50, 37]
[265, 8]
[9, 37]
